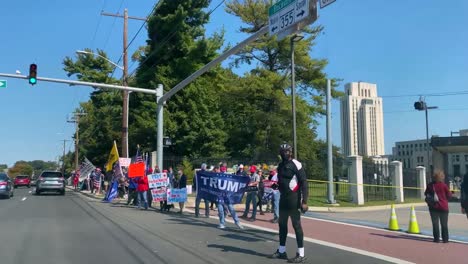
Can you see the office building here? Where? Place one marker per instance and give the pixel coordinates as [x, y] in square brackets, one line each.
[362, 131]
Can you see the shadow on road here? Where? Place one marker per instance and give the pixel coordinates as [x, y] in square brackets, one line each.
[225, 248]
[242, 238]
[424, 239]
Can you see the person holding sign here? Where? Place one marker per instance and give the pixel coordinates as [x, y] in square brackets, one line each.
[181, 184]
[292, 183]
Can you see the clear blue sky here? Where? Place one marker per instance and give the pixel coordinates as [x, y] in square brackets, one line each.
[407, 48]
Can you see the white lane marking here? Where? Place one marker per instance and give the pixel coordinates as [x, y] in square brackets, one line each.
[24, 198]
[378, 229]
[325, 243]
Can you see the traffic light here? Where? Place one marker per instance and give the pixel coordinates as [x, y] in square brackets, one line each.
[32, 74]
[420, 105]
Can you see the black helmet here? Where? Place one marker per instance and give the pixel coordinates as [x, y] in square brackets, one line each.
[285, 147]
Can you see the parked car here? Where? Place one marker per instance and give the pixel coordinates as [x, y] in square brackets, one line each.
[6, 185]
[50, 181]
[22, 180]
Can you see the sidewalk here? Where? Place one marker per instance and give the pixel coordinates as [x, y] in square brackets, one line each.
[400, 245]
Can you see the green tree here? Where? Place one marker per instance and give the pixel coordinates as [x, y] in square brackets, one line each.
[177, 47]
[20, 168]
[103, 120]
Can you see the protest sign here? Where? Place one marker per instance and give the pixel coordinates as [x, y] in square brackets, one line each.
[159, 194]
[224, 187]
[176, 195]
[157, 180]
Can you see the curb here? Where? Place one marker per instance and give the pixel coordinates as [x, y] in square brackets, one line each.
[361, 209]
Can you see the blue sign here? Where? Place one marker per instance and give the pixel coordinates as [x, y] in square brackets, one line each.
[214, 186]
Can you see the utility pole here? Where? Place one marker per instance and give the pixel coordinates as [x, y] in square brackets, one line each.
[63, 156]
[125, 93]
[76, 120]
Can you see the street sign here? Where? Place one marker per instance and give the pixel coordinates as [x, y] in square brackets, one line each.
[324, 3]
[289, 16]
[3, 84]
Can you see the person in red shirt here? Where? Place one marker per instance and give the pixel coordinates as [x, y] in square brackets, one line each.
[439, 210]
[142, 189]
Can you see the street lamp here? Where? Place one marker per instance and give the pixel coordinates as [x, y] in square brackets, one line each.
[92, 53]
[422, 106]
[125, 95]
[294, 38]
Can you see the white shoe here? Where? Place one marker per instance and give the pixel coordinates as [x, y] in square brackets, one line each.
[239, 225]
[221, 226]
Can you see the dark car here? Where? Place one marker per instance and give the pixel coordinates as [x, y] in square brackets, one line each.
[50, 181]
[6, 185]
[22, 180]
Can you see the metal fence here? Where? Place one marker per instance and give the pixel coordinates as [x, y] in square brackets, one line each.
[376, 182]
[410, 183]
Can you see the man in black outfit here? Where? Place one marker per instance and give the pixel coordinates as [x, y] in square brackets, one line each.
[292, 183]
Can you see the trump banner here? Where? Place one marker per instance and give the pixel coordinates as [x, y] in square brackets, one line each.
[224, 187]
[159, 194]
[158, 180]
[176, 195]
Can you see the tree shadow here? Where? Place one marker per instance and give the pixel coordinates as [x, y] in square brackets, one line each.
[225, 248]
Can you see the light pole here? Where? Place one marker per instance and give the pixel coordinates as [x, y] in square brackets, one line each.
[125, 95]
[422, 106]
[295, 38]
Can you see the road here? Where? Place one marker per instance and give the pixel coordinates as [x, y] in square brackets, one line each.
[76, 229]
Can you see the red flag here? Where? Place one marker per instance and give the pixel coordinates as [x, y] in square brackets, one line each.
[136, 170]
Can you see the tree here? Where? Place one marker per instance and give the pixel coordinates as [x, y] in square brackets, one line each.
[20, 168]
[177, 47]
[3, 167]
[103, 120]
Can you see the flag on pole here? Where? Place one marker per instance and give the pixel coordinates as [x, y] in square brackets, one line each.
[86, 168]
[113, 157]
[137, 168]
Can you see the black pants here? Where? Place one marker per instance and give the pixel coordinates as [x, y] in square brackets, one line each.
[441, 216]
[295, 215]
[132, 196]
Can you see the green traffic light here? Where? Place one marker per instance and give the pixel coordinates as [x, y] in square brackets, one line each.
[32, 80]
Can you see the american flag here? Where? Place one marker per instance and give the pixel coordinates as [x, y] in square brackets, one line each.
[138, 157]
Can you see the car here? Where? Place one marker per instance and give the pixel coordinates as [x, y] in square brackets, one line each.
[22, 180]
[50, 181]
[6, 185]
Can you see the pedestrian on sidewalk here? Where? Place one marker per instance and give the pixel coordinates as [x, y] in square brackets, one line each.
[251, 197]
[132, 192]
[294, 191]
[198, 200]
[213, 203]
[142, 190]
[261, 190]
[437, 196]
[181, 183]
[276, 195]
[464, 195]
[225, 204]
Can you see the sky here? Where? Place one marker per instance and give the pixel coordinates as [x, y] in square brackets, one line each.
[408, 48]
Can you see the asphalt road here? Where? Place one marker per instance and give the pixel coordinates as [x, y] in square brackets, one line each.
[75, 229]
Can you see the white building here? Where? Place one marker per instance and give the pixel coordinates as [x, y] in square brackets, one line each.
[362, 131]
[412, 153]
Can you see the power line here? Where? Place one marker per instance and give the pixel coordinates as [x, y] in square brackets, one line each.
[113, 24]
[155, 6]
[168, 38]
[427, 95]
[99, 23]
